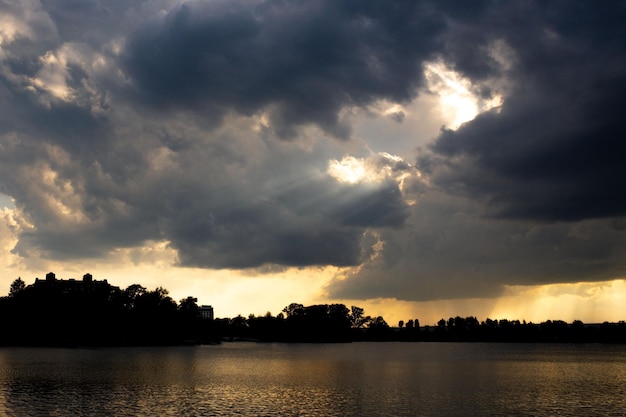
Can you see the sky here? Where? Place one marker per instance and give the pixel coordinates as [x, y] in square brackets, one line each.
[420, 159]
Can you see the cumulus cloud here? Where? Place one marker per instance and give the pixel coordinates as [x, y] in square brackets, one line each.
[536, 181]
[232, 134]
[144, 122]
[300, 62]
[553, 151]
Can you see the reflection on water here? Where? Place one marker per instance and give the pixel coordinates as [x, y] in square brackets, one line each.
[359, 379]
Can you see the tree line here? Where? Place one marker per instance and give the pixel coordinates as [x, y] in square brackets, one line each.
[315, 323]
[469, 329]
[55, 312]
[95, 313]
[74, 313]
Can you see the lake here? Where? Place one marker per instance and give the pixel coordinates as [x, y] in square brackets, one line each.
[356, 379]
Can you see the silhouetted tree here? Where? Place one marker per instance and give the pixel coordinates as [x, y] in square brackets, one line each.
[266, 328]
[17, 286]
[409, 332]
[338, 323]
[316, 323]
[378, 329]
[153, 318]
[358, 319]
[156, 302]
[293, 310]
[188, 307]
[131, 293]
[238, 327]
[339, 315]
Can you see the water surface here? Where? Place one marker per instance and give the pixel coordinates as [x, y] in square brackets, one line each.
[357, 379]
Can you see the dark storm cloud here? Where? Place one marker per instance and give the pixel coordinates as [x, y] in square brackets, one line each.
[88, 181]
[303, 62]
[453, 251]
[264, 233]
[127, 121]
[317, 222]
[216, 207]
[538, 182]
[380, 207]
[555, 150]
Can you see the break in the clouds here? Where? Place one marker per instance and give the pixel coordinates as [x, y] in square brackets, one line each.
[237, 133]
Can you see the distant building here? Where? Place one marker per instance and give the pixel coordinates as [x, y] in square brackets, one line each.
[72, 285]
[206, 312]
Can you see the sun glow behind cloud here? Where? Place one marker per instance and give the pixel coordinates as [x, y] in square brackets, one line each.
[375, 168]
[349, 170]
[458, 100]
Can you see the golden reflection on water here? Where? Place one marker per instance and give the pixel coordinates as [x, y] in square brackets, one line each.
[359, 379]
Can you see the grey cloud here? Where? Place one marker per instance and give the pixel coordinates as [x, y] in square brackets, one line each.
[380, 207]
[316, 222]
[453, 251]
[554, 151]
[26, 20]
[261, 234]
[397, 116]
[218, 204]
[302, 62]
[160, 139]
[530, 193]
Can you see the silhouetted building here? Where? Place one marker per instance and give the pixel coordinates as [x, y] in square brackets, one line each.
[71, 285]
[206, 312]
